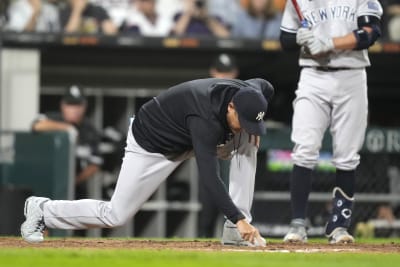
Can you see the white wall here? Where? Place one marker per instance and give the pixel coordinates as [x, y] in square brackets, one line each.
[19, 88]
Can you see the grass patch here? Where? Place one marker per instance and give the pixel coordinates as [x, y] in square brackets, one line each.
[151, 258]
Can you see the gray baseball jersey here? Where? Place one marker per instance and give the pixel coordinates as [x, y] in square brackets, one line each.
[332, 18]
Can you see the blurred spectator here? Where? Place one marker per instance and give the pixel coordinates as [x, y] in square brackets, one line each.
[72, 119]
[393, 14]
[195, 21]
[170, 7]
[143, 19]
[259, 19]
[390, 210]
[224, 66]
[3, 10]
[227, 10]
[280, 4]
[33, 16]
[80, 16]
[385, 212]
[116, 9]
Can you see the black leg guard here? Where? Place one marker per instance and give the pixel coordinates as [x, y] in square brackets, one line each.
[341, 211]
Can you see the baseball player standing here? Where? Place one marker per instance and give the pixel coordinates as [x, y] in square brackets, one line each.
[332, 92]
[208, 118]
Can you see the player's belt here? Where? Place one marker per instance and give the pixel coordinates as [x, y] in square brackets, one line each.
[328, 69]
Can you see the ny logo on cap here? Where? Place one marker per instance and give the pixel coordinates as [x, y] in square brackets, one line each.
[260, 115]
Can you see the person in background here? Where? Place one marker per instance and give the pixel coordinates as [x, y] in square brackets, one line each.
[196, 21]
[258, 20]
[116, 9]
[72, 119]
[33, 16]
[80, 16]
[3, 10]
[224, 66]
[227, 10]
[143, 18]
[393, 11]
[170, 7]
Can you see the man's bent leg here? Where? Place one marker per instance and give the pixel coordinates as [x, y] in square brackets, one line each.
[141, 173]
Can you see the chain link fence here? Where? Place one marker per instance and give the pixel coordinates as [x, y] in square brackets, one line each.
[377, 204]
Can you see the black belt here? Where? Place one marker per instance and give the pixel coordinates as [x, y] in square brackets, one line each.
[328, 69]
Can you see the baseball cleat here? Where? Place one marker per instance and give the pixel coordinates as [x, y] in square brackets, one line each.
[297, 232]
[33, 227]
[340, 236]
[232, 237]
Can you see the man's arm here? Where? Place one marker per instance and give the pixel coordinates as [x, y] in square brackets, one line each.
[45, 125]
[365, 36]
[94, 160]
[204, 145]
[182, 23]
[36, 8]
[217, 28]
[74, 21]
[87, 173]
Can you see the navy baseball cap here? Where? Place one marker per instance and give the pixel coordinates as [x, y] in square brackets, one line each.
[74, 96]
[251, 107]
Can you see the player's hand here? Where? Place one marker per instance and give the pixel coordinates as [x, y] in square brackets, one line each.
[250, 233]
[320, 45]
[254, 140]
[303, 36]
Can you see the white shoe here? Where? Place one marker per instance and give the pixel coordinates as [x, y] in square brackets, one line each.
[33, 227]
[297, 232]
[232, 237]
[340, 236]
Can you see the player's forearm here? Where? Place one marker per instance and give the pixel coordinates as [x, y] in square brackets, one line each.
[74, 22]
[347, 42]
[31, 25]
[87, 173]
[181, 25]
[217, 28]
[50, 125]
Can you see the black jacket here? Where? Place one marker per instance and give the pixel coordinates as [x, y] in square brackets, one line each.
[192, 116]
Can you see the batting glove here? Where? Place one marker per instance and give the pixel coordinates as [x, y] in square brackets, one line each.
[303, 36]
[318, 45]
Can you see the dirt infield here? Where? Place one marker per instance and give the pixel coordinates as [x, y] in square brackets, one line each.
[7, 242]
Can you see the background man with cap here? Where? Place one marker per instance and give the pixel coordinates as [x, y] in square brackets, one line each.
[224, 66]
[208, 118]
[72, 119]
